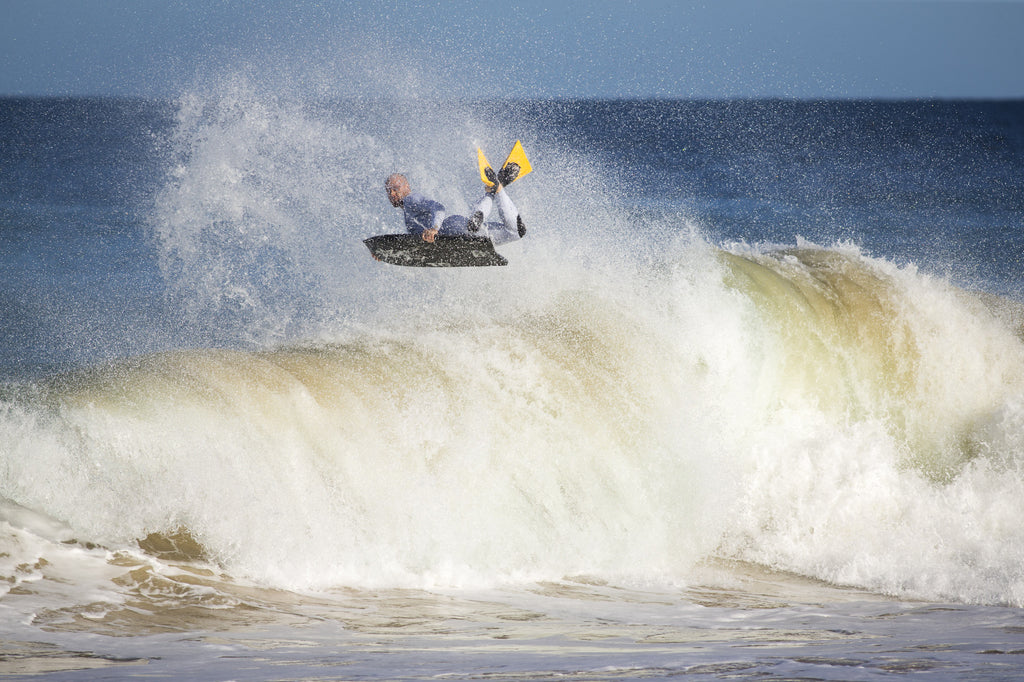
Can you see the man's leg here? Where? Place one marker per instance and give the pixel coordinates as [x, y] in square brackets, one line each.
[480, 212]
[510, 215]
[511, 226]
[454, 225]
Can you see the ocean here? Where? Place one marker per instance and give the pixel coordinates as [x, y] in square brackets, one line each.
[747, 402]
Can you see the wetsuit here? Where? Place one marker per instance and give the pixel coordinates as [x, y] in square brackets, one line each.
[422, 213]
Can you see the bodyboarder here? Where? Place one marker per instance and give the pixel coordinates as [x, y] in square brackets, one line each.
[427, 218]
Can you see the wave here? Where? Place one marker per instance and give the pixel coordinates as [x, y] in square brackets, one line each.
[625, 400]
[892, 455]
[811, 409]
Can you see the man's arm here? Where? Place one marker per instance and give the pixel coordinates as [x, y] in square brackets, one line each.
[437, 214]
[426, 214]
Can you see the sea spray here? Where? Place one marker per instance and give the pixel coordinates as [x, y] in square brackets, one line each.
[259, 225]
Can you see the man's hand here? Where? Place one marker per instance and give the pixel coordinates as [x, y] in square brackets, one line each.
[429, 235]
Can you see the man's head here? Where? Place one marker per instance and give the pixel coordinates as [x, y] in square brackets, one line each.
[397, 188]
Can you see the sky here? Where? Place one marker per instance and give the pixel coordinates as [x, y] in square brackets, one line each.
[531, 48]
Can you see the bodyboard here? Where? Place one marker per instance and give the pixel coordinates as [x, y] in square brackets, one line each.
[447, 251]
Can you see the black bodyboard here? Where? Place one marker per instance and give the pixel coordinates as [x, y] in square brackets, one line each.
[446, 251]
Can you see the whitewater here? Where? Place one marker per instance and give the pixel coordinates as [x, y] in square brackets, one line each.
[702, 443]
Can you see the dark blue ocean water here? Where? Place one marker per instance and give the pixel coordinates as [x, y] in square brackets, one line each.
[77, 266]
[937, 183]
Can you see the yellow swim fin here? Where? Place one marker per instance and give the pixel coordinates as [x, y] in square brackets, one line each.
[518, 157]
[485, 169]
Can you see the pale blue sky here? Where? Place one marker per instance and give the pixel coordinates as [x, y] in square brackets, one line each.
[533, 48]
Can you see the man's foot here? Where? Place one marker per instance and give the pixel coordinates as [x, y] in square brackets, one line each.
[508, 173]
[521, 225]
[475, 221]
[495, 184]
